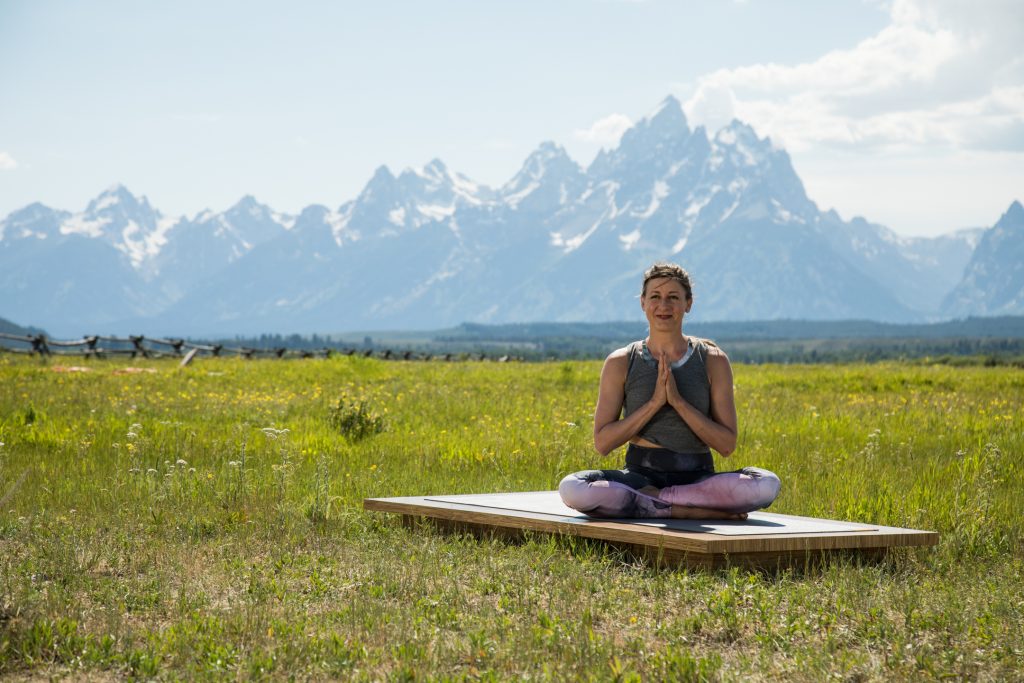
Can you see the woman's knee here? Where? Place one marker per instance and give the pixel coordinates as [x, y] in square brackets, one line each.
[575, 490]
[767, 482]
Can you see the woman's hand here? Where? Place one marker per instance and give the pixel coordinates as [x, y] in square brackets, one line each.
[660, 395]
[667, 383]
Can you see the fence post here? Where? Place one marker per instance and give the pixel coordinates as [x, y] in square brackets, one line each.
[39, 345]
[137, 340]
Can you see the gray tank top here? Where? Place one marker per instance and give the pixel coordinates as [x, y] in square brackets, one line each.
[666, 428]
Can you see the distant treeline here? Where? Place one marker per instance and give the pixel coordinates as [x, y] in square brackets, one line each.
[982, 340]
[1004, 326]
[995, 341]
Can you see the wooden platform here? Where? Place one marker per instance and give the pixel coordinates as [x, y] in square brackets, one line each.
[763, 540]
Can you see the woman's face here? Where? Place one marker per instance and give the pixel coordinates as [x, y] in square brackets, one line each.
[664, 303]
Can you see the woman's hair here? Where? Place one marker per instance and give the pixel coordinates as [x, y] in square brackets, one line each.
[671, 271]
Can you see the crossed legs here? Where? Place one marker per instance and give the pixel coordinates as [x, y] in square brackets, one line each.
[621, 493]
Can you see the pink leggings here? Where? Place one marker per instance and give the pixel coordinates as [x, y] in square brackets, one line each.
[616, 493]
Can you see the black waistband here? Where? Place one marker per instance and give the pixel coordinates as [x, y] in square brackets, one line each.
[664, 460]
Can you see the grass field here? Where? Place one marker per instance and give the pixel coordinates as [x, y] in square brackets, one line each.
[207, 523]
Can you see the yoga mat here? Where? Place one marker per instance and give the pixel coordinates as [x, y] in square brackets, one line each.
[757, 523]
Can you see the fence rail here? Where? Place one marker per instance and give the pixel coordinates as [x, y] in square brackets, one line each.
[140, 346]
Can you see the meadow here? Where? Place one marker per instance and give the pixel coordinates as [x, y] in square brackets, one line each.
[206, 523]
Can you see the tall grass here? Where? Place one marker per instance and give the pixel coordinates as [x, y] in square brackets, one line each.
[207, 523]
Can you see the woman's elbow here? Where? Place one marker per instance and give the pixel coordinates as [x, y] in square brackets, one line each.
[727, 447]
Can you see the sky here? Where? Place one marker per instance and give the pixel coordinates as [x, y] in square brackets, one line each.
[909, 113]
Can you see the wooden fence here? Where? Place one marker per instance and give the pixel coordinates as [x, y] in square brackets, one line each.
[139, 346]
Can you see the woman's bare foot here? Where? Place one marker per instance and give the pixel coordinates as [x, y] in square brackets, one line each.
[681, 512]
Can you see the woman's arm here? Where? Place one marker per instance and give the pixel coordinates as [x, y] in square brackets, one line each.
[720, 429]
[609, 431]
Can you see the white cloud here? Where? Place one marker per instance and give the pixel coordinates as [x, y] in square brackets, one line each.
[943, 74]
[7, 162]
[713, 105]
[606, 131]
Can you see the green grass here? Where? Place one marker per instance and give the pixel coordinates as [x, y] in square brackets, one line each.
[207, 523]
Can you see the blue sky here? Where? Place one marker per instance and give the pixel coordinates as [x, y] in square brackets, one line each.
[910, 112]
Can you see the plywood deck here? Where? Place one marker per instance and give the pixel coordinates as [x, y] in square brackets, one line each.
[765, 539]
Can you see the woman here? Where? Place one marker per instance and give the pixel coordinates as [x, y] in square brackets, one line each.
[671, 398]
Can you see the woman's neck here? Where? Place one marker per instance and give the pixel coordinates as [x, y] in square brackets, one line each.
[673, 343]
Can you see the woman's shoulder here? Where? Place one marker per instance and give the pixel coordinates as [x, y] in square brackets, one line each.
[710, 351]
[627, 350]
[717, 364]
[621, 358]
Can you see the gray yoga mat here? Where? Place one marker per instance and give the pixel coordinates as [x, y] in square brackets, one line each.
[549, 503]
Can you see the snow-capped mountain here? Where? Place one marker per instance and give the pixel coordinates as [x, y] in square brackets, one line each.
[124, 221]
[194, 250]
[429, 248]
[76, 269]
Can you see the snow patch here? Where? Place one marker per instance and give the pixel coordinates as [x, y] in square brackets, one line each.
[78, 225]
[737, 186]
[107, 200]
[224, 227]
[465, 188]
[156, 240]
[697, 206]
[25, 232]
[610, 188]
[783, 215]
[513, 199]
[288, 222]
[133, 244]
[397, 216]
[659, 192]
[573, 243]
[629, 241]
[338, 222]
[435, 212]
[728, 212]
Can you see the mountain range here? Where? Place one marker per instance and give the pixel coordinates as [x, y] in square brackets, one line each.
[430, 248]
